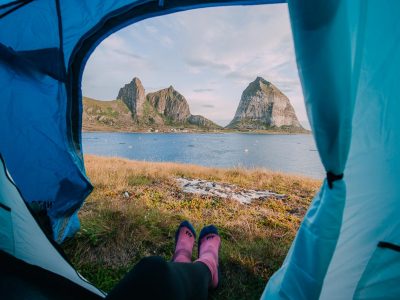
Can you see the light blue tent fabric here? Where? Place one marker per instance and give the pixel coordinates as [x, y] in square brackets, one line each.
[25, 240]
[348, 245]
[372, 211]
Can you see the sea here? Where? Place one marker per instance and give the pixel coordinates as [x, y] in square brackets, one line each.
[295, 154]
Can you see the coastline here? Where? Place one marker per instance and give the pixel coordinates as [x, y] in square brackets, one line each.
[228, 131]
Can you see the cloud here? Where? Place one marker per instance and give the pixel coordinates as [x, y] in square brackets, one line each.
[203, 90]
[208, 106]
[151, 29]
[166, 41]
[127, 53]
[241, 76]
[206, 63]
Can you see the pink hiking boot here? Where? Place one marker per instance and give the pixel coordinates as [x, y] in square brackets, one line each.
[184, 241]
[209, 244]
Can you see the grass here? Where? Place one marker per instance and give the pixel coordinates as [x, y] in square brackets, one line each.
[109, 112]
[120, 228]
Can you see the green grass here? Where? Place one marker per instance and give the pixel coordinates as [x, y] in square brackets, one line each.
[134, 180]
[117, 231]
[109, 112]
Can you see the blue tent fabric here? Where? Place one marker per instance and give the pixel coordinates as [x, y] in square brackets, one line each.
[32, 141]
[43, 48]
[348, 59]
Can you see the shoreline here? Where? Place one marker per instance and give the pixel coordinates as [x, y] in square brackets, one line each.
[210, 169]
[261, 132]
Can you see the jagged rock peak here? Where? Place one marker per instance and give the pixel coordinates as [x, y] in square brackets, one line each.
[170, 103]
[260, 79]
[263, 106]
[164, 107]
[133, 95]
[136, 81]
[260, 83]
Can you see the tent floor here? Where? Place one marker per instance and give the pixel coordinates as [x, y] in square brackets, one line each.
[19, 280]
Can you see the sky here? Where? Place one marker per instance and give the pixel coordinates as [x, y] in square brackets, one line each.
[209, 55]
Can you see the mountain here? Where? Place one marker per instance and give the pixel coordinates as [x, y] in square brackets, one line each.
[264, 106]
[170, 104]
[164, 110]
[166, 107]
[133, 95]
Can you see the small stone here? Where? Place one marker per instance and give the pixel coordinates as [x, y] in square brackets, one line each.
[126, 194]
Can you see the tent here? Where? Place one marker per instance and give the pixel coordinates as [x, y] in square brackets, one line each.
[348, 245]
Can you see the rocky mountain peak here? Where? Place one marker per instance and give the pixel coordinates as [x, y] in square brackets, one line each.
[261, 80]
[133, 95]
[164, 107]
[170, 103]
[260, 84]
[263, 106]
[136, 80]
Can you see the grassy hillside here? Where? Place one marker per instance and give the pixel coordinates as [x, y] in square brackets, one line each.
[136, 206]
[106, 116]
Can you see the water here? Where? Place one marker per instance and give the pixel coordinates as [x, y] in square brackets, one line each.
[286, 153]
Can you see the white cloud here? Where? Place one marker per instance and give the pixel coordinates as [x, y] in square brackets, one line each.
[202, 90]
[151, 29]
[166, 41]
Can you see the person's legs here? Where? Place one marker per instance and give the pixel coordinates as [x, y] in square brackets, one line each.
[154, 278]
[180, 279]
[209, 244]
[185, 238]
[194, 279]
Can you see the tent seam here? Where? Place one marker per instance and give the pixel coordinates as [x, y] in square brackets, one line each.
[14, 8]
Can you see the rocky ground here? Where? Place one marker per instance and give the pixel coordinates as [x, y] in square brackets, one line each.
[224, 190]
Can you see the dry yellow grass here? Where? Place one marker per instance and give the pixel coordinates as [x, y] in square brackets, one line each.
[118, 230]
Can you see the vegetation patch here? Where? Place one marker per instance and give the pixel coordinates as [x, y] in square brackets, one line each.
[136, 207]
[109, 112]
[134, 180]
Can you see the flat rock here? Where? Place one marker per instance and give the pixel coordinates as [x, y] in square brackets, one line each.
[224, 190]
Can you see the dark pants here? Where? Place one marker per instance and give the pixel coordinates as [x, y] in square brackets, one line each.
[154, 278]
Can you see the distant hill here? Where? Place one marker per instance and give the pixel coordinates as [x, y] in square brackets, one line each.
[164, 110]
[263, 107]
[106, 116]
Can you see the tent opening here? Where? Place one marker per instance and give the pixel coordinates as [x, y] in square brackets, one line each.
[200, 62]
